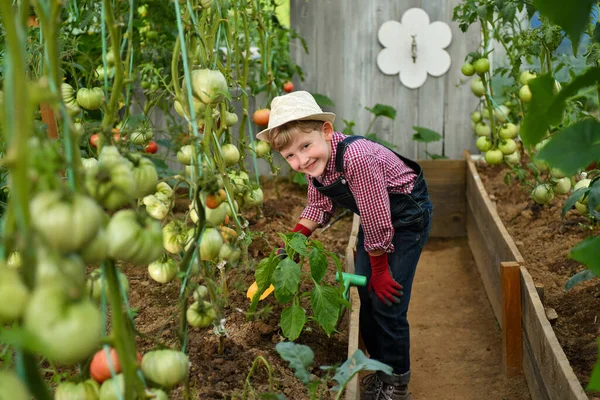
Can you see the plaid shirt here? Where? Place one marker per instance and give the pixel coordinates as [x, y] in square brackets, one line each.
[372, 171]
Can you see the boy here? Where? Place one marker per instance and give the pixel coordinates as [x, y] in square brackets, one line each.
[389, 193]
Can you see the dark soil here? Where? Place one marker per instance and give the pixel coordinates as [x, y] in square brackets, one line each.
[218, 376]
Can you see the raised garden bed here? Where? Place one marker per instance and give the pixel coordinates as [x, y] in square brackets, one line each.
[463, 208]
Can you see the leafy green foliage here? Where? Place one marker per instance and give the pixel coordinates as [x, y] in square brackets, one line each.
[322, 100]
[288, 279]
[572, 18]
[588, 253]
[425, 135]
[382, 110]
[301, 358]
[573, 147]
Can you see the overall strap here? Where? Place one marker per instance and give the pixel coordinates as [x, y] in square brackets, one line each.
[341, 149]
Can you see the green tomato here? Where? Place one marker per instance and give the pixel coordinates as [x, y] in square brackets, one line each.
[253, 198]
[67, 92]
[200, 293]
[86, 390]
[508, 131]
[163, 272]
[166, 368]
[66, 222]
[90, 99]
[134, 238]
[541, 165]
[174, 236]
[525, 94]
[477, 87]
[563, 185]
[184, 155]
[483, 143]
[210, 243]
[14, 295]
[145, 175]
[507, 146]
[230, 119]
[11, 387]
[112, 181]
[513, 159]
[209, 85]
[526, 77]
[584, 183]
[262, 148]
[467, 69]
[97, 250]
[476, 116]
[231, 154]
[96, 284]
[483, 129]
[481, 66]
[502, 113]
[113, 388]
[67, 331]
[200, 314]
[582, 208]
[493, 157]
[55, 269]
[542, 193]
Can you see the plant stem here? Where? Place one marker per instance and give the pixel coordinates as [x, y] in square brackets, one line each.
[115, 39]
[123, 336]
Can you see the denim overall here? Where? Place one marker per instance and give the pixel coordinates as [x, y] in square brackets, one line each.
[385, 329]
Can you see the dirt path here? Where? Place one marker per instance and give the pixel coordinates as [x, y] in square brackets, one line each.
[456, 344]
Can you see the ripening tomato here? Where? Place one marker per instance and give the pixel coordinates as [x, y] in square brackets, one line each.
[151, 147]
[261, 117]
[94, 140]
[99, 368]
[288, 87]
[212, 201]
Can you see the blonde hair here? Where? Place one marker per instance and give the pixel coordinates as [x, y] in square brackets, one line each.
[279, 138]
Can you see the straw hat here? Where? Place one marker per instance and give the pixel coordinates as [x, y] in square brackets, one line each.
[294, 106]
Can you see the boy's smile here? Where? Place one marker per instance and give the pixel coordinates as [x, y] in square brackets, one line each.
[309, 153]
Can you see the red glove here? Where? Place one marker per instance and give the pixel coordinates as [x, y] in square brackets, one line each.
[381, 282]
[298, 228]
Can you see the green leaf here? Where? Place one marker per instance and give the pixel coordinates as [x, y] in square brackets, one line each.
[325, 303]
[264, 271]
[596, 34]
[348, 127]
[573, 147]
[300, 358]
[537, 121]
[318, 264]
[576, 195]
[425, 135]
[355, 364]
[299, 179]
[594, 384]
[588, 253]
[572, 17]
[298, 243]
[546, 109]
[322, 100]
[286, 279]
[579, 277]
[292, 321]
[593, 197]
[509, 12]
[381, 110]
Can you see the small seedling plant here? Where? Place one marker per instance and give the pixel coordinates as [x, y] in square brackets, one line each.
[283, 269]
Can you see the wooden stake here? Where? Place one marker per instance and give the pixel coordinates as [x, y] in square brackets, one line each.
[512, 342]
[49, 119]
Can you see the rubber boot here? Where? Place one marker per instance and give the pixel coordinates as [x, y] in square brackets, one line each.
[393, 387]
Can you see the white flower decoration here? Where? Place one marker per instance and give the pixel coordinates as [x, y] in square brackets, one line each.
[414, 48]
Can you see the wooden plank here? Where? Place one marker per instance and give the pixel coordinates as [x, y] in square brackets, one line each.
[532, 373]
[446, 181]
[353, 387]
[512, 344]
[549, 361]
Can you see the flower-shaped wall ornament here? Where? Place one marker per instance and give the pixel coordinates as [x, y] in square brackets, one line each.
[414, 48]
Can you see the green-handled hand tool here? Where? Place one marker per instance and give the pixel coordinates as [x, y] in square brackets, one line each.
[351, 280]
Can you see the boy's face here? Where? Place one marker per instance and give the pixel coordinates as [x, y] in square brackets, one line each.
[309, 153]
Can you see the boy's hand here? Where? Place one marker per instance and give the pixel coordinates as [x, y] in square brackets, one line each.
[298, 228]
[381, 282]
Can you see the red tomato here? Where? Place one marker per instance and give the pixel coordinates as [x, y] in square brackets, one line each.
[94, 140]
[212, 201]
[151, 147]
[261, 117]
[99, 368]
[288, 86]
